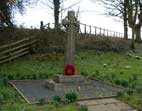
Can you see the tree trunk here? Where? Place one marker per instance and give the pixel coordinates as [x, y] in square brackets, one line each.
[138, 33]
[125, 20]
[125, 29]
[56, 13]
[133, 38]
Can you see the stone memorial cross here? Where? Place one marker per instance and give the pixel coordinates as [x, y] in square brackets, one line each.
[71, 24]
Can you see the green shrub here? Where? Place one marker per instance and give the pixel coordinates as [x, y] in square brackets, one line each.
[133, 84]
[17, 76]
[125, 83]
[120, 94]
[83, 108]
[140, 100]
[57, 99]
[23, 77]
[10, 77]
[1, 98]
[117, 82]
[130, 91]
[7, 94]
[71, 97]
[34, 76]
[139, 88]
[4, 81]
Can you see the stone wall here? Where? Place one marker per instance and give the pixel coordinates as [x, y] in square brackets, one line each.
[56, 42]
[50, 40]
[102, 43]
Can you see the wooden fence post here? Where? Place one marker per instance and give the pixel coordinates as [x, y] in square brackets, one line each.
[95, 31]
[90, 29]
[113, 34]
[100, 31]
[9, 53]
[104, 32]
[85, 29]
[48, 25]
[107, 33]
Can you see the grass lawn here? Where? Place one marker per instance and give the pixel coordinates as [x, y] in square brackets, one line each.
[123, 69]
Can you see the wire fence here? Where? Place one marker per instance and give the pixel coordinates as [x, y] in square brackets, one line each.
[98, 31]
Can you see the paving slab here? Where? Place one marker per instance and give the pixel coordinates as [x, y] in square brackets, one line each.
[108, 104]
[88, 102]
[108, 101]
[113, 107]
[123, 106]
[100, 107]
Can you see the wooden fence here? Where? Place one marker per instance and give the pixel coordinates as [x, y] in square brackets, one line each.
[97, 31]
[14, 50]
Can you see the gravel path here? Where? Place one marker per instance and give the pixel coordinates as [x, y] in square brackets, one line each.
[35, 90]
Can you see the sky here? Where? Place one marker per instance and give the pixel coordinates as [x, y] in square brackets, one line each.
[90, 13]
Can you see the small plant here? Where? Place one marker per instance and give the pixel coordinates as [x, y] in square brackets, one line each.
[135, 77]
[117, 82]
[84, 73]
[125, 83]
[57, 99]
[1, 98]
[71, 97]
[105, 65]
[34, 77]
[17, 76]
[97, 72]
[6, 94]
[10, 77]
[83, 108]
[120, 94]
[23, 77]
[140, 101]
[5, 81]
[42, 101]
[113, 76]
[130, 91]
[133, 85]
[43, 76]
[139, 88]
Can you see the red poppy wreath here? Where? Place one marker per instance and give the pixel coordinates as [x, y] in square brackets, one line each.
[69, 70]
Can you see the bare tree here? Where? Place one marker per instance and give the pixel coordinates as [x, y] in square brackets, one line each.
[7, 8]
[56, 6]
[128, 11]
[132, 17]
[139, 24]
[117, 8]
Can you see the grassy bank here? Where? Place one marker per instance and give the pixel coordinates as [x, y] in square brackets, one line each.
[122, 69]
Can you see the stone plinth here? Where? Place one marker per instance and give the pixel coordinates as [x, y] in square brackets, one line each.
[52, 85]
[67, 83]
[69, 79]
